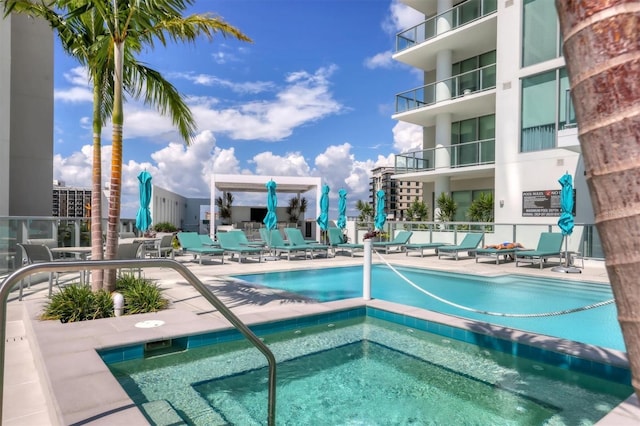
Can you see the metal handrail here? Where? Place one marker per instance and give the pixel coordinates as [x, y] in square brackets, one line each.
[88, 265]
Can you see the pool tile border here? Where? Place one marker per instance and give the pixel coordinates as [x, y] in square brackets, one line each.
[567, 361]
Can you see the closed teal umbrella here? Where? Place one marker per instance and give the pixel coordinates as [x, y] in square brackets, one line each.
[381, 216]
[323, 219]
[271, 219]
[566, 222]
[566, 205]
[143, 218]
[342, 209]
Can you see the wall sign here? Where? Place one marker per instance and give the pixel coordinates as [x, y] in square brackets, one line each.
[543, 203]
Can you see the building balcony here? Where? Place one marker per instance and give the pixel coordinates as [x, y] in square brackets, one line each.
[462, 156]
[468, 29]
[468, 95]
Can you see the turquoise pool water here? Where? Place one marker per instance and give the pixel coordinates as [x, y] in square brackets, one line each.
[511, 294]
[364, 372]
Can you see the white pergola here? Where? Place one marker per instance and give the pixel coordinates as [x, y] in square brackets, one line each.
[252, 183]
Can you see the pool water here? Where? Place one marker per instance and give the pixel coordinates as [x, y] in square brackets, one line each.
[510, 294]
[366, 372]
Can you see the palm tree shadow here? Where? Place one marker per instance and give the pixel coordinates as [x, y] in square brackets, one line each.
[237, 293]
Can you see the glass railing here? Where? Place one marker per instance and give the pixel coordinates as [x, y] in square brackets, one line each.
[67, 232]
[456, 17]
[462, 155]
[460, 85]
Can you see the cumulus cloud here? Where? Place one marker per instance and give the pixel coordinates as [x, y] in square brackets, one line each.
[407, 137]
[380, 60]
[401, 17]
[244, 87]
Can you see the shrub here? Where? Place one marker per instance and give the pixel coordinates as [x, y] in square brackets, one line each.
[164, 227]
[77, 302]
[140, 295]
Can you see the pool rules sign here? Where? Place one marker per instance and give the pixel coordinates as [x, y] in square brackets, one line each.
[543, 203]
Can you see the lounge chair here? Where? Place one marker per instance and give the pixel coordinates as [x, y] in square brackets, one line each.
[506, 251]
[206, 241]
[335, 241]
[164, 248]
[421, 247]
[469, 243]
[549, 245]
[275, 243]
[235, 242]
[400, 241]
[190, 243]
[296, 239]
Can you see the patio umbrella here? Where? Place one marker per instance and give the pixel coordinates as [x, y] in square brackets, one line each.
[342, 209]
[565, 222]
[143, 218]
[381, 217]
[323, 219]
[271, 219]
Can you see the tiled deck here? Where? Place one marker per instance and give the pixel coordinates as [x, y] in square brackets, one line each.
[63, 362]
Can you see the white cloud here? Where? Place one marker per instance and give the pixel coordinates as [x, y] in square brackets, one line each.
[246, 87]
[380, 60]
[291, 164]
[407, 137]
[73, 95]
[401, 17]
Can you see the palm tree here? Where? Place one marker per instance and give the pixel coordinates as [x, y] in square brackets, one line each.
[144, 23]
[366, 212]
[296, 208]
[84, 35]
[601, 50]
[224, 205]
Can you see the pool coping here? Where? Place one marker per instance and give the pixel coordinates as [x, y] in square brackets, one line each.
[81, 389]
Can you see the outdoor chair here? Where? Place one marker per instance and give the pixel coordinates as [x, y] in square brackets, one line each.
[165, 247]
[296, 239]
[335, 241]
[549, 246]
[274, 241]
[190, 243]
[469, 244]
[400, 241]
[235, 242]
[39, 253]
[129, 251]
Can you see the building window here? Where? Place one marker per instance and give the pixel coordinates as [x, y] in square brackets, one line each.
[463, 200]
[546, 107]
[473, 130]
[541, 39]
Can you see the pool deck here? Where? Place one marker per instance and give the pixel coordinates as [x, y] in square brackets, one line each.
[46, 358]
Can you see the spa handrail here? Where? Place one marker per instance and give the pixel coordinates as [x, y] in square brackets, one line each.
[88, 265]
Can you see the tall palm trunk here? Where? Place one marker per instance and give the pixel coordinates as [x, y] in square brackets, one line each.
[116, 165]
[603, 61]
[96, 189]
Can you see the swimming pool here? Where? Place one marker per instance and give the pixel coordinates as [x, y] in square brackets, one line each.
[361, 371]
[508, 293]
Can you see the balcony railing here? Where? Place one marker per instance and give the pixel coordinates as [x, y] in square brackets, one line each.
[457, 17]
[462, 155]
[460, 85]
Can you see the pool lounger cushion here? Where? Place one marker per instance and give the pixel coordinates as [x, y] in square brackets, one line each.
[191, 243]
[549, 246]
[469, 244]
[421, 247]
[400, 241]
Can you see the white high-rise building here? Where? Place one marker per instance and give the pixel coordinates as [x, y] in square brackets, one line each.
[495, 108]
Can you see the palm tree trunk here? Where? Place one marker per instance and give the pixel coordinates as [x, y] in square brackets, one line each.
[602, 53]
[96, 189]
[116, 166]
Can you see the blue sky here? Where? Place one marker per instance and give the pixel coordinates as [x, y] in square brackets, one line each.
[312, 95]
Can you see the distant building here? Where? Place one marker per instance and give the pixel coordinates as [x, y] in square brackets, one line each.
[399, 195]
[70, 201]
